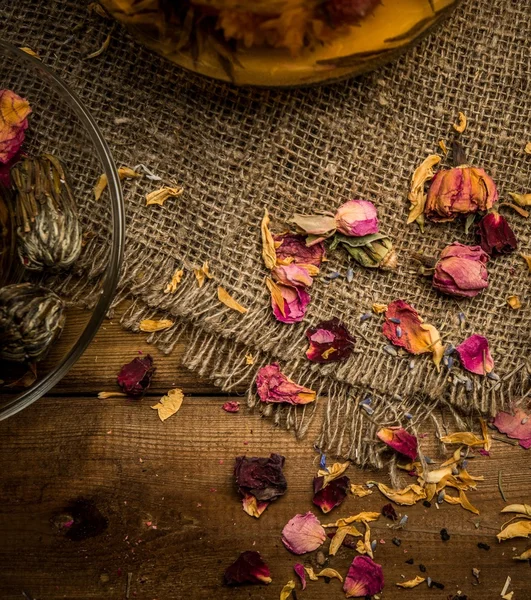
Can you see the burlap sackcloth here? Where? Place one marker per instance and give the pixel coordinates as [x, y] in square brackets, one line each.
[238, 151]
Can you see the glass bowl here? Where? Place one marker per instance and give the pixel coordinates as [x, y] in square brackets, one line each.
[61, 125]
[216, 38]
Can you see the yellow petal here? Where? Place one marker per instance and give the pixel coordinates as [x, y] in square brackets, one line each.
[123, 173]
[460, 126]
[100, 186]
[527, 148]
[412, 582]
[367, 540]
[287, 589]
[417, 195]
[228, 300]
[150, 325]
[514, 530]
[521, 199]
[436, 475]
[408, 496]
[514, 302]
[523, 509]
[276, 294]
[268, 243]
[442, 146]
[456, 457]
[176, 279]
[462, 500]
[30, 52]
[332, 573]
[339, 537]
[379, 308]
[249, 359]
[360, 517]
[524, 556]
[359, 490]
[527, 259]
[168, 405]
[250, 506]
[161, 195]
[464, 437]
[202, 274]
[311, 574]
[333, 472]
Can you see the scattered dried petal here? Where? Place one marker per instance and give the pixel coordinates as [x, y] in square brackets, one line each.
[515, 530]
[268, 243]
[364, 578]
[261, 477]
[417, 195]
[412, 582]
[176, 279]
[527, 259]
[30, 52]
[496, 236]
[330, 573]
[135, 377]
[289, 303]
[150, 325]
[517, 426]
[359, 490]
[294, 275]
[303, 533]
[202, 274]
[330, 341]
[248, 568]
[407, 496]
[527, 148]
[228, 300]
[460, 126]
[231, 406]
[462, 500]
[378, 308]
[340, 536]
[461, 271]
[14, 112]
[169, 404]
[316, 225]
[292, 248]
[400, 440]
[522, 509]
[273, 386]
[475, 355]
[524, 556]
[327, 497]
[359, 518]
[389, 512]
[311, 574]
[299, 569]
[287, 589]
[521, 199]
[514, 302]
[123, 173]
[162, 194]
[252, 506]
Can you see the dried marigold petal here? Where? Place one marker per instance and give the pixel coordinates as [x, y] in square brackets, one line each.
[514, 302]
[340, 536]
[514, 530]
[228, 300]
[14, 112]
[202, 274]
[287, 589]
[330, 573]
[252, 506]
[161, 195]
[248, 568]
[522, 509]
[359, 490]
[359, 518]
[462, 500]
[303, 533]
[412, 582]
[417, 196]
[176, 279]
[333, 472]
[407, 496]
[364, 578]
[151, 325]
[521, 199]
[460, 126]
[269, 253]
[169, 404]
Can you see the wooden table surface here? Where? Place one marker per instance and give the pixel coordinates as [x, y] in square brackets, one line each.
[163, 517]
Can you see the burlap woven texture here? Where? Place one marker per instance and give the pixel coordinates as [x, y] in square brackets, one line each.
[236, 152]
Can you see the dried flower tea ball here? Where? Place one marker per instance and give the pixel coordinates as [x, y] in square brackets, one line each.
[31, 317]
[48, 229]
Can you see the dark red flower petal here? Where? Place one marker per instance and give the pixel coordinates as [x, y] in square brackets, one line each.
[495, 234]
[364, 578]
[248, 568]
[261, 477]
[389, 512]
[400, 440]
[135, 377]
[293, 247]
[332, 495]
[330, 341]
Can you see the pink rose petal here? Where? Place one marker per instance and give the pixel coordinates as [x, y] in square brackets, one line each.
[303, 533]
[231, 406]
[292, 275]
[273, 386]
[296, 300]
[364, 578]
[299, 569]
[517, 426]
[293, 247]
[400, 440]
[475, 355]
[14, 111]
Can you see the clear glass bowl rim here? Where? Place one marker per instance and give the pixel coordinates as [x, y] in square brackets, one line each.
[112, 273]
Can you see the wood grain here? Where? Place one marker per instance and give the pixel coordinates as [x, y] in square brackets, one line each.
[177, 476]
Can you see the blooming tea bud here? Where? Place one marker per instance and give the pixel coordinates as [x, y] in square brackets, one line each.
[357, 218]
[459, 191]
[495, 234]
[48, 229]
[461, 271]
[31, 317]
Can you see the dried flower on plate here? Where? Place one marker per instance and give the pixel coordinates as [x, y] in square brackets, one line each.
[303, 533]
[161, 195]
[417, 196]
[103, 182]
[231, 407]
[330, 341]
[459, 191]
[135, 377]
[248, 568]
[14, 112]
[287, 589]
[292, 249]
[412, 582]
[357, 218]
[474, 354]
[262, 479]
[150, 325]
[461, 271]
[48, 228]
[495, 234]
[404, 328]
[301, 572]
[327, 497]
[364, 578]
[31, 318]
[289, 303]
[273, 386]
[169, 404]
[517, 426]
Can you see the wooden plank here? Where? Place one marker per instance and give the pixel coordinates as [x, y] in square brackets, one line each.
[177, 476]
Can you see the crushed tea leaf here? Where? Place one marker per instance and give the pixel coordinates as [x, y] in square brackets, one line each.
[460, 126]
[151, 325]
[176, 279]
[412, 582]
[161, 195]
[228, 300]
[169, 404]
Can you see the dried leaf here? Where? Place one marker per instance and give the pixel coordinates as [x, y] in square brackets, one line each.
[527, 259]
[269, 253]
[522, 509]
[176, 279]
[311, 574]
[287, 589]
[514, 530]
[417, 195]
[123, 173]
[524, 556]
[277, 296]
[228, 300]
[161, 195]
[514, 302]
[202, 274]
[412, 582]
[30, 52]
[333, 472]
[340, 536]
[249, 359]
[169, 404]
[359, 490]
[150, 325]
[460, 126]
[359, 518]
[521, 199]
[331, 573]
[462, 500]
[408, 496]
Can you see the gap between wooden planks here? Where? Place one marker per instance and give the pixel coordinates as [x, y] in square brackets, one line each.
[177, 476]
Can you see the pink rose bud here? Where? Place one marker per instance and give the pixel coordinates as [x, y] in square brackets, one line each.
[461, 271]
[459, 191]
[496, 235]
[357, 218]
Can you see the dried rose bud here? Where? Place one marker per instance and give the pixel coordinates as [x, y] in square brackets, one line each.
[475, 356]
[289, 303]
[292, 275]
[459, 191]
[292, 248]
[303, 533]
[400, 440]
[248, 568]
[14, 112]
[495, 234]
[273, 386]
[31, 318]
[357, 218]
[461, 271]
[327, 497]
[135, 377]
[364, 578]
[330, 341]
